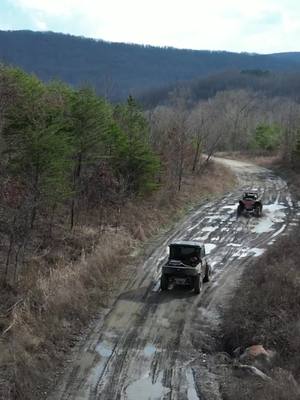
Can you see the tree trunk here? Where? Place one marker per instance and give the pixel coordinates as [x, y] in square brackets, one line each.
[72, 214]
[180, 172]
[11, 242]
[17, 263]
[8, 257]
[35, 198]
[196, 157]
[76, 176]
[51, 220]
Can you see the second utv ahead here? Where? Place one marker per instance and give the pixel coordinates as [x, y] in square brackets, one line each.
[250, 204]
[187, 265]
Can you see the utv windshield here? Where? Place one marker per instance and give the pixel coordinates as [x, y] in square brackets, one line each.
[250, 196]
[183, 253]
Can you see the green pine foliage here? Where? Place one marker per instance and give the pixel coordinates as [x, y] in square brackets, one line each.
[136, 162]
[56, 139]
[36, 137]
[266, 137]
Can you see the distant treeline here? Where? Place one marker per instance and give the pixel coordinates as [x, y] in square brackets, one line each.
[117, 69]
[266, 82]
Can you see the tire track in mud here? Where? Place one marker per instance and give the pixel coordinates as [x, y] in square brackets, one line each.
[150, 344]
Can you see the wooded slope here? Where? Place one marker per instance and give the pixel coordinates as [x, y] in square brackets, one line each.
[115, 69]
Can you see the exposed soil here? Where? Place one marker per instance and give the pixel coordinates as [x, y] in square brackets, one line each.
[160, 345]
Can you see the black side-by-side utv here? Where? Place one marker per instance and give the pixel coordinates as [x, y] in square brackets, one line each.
[186, 265]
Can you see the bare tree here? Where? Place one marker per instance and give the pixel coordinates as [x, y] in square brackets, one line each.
[288, 117]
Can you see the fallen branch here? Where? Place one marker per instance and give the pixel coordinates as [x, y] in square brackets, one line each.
[9, 327]
[11, 308]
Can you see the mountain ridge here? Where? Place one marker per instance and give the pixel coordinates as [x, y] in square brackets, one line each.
[116, 69]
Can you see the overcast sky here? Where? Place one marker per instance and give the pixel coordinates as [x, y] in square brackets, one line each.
[261, 26]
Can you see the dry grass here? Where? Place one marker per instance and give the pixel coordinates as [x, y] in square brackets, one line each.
[238, 386]
[67, 284]
[292, 177]
[39, 328]
[265, 310]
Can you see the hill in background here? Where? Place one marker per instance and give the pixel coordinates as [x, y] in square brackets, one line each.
[268, 83]
[117, 69]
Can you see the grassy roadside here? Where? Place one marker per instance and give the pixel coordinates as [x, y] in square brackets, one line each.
[41, 318]
[265, 310]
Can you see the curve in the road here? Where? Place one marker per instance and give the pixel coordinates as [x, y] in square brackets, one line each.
[148, 345]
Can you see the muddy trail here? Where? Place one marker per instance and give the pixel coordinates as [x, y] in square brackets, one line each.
[156, 345]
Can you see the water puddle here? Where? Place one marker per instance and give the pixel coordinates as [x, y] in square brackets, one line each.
[248, 251]
[191, 392]
[276, 209]
[264, 226]
[242, 253]
[149, 350]
[146, 389]
[214, 217]
[279, 231]
[104, 349]
[95, 375]
[156, 287]
[272, 214]
[209, 247]
[289, 200]
[230, 207]
[257, 252]
[202, 238]
[193, 227]
[216, 238]
[209, 228]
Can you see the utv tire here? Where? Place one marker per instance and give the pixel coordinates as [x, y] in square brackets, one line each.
[207, 276]
[164, 283]
[258, 211]
[197, 284]
[239, 211]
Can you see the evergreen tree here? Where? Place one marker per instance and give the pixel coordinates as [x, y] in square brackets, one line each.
[90, 121]
[136, 161]
[266, 137]
[37, 144]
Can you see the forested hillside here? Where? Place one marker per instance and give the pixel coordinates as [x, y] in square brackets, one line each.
[117, 69]
[267, 83]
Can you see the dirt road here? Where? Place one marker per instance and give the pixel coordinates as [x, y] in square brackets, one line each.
[155, 345]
